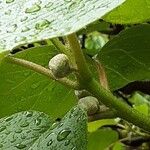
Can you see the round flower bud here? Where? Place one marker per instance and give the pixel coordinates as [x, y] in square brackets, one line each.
[59, 65]
[82, 93]
[89, 104]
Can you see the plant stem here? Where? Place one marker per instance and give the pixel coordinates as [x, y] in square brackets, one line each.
[42, 70]
[104, 96]
[61, 47]
[83, 69]
[109, 114]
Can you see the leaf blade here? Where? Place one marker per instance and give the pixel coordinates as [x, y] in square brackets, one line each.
[22, 21]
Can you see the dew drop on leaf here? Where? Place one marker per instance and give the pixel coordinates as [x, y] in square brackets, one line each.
[18, 131]
[50, 143]
[54, 125]
[24, 124]
[62, 135]
[2, 128]
[48, 5]
[38, 121]
[25, 29]
[8, 118]
[28, 113]
[33, 8]
[9, 1]
[20, 146]
[8, 12]
[42, 25]
[24, 19]
[12, 28]
[23, 136]
[67, 142]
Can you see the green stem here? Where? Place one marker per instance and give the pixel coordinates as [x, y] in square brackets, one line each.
[64, 50]
[109, 114]
[42, 70]
[83, 69]
[104, 96]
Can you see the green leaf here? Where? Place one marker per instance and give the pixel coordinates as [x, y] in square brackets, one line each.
[93, 126]
[70, 134]
[21, 130]
[22, 89]
[126, 57]
[131, 12]
[101, 139]
[36, 131]
[29, 21]
[119, 146]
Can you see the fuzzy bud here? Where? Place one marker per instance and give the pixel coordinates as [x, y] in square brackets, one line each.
[59, 65]
[89, 104]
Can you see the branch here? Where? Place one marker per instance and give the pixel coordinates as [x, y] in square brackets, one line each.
[106, 97]
[42, 70]
[109, 114]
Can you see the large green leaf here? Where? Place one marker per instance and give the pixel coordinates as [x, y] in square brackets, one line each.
[22, 89]
[126, 57]
[35, 131]
[27, 21]
[131, 12]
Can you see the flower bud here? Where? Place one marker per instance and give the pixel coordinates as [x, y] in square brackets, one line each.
[89, 104]
[59, 65]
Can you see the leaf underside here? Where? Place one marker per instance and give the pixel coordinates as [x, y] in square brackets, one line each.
[28, 21]
[22, 89]
[126, 57]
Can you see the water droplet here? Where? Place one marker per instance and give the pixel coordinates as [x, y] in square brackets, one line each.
[20, 146]
[2, 128]
[67, 142]
[8, 118]
[54, 125]
[13, 139]
[48, 5]
[63, 134]
[1, 145]
[72, 6]
[25, 29]
[18, 130]
[38, 121]
[50, 143]
[24, 19]
[29, 113]
[42, 25]
[24, 124]
[11, 28]
[33, 8]
[9, 1]
[23, 136]
[8, 12]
